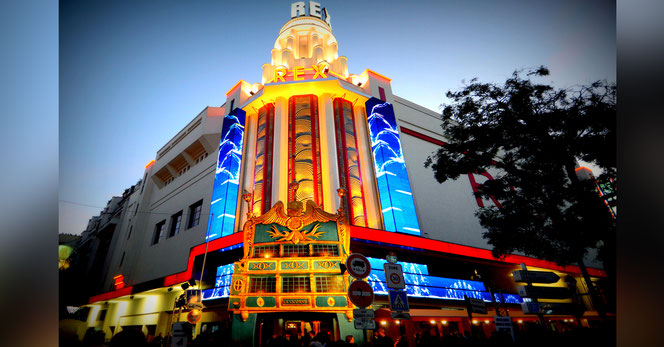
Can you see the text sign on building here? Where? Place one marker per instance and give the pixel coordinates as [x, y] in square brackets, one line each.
[544, 292]
[364, 324]
[535, 276]
[396, 197]
[394, 276]
[299, 9]
[398, 301]
[360, 293]
[358, 266]
[504, 324]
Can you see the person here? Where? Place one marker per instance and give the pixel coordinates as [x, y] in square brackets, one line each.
[128, 338]
[350, 341]
[383, 340]
[401, 342]
[157, 341]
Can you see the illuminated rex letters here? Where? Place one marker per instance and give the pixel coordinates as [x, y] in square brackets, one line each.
[299, 9]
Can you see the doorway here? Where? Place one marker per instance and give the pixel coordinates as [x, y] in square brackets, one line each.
[278, 328]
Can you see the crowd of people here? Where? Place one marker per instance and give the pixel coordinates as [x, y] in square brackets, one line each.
[423, 338]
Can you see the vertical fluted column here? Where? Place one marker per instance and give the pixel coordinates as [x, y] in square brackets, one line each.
[328, 151]
[280, 155]
[248, 165]
[370, 190]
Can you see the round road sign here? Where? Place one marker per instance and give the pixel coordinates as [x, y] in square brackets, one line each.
[358, 266]
[360, 293]
[194, 316]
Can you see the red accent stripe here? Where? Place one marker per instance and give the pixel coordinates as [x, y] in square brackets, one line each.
[314, 149]
[214, 245]
[110, 295]
[422, 136]
[399, 239]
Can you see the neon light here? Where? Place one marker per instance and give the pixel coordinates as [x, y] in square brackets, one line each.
[227, 176]
[148, 165]
[415, 242]
[391, 175]
[420, 283]
[222, 286]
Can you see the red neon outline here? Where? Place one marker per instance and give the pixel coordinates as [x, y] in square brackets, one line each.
[111, 295]
[315, 145]
[149, 165]
[291, 152]
[456, 249]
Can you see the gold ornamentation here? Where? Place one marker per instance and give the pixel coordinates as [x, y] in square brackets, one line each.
[260, 302]
[238, 285]
[260, 266]
[330, 301]
[294, 265]
[296, 236]
[326, 264]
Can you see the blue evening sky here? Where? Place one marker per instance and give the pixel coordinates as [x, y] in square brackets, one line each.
[133, 73]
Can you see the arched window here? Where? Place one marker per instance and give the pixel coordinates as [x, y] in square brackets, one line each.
[262, 199]
[304, 149]
[350, 177]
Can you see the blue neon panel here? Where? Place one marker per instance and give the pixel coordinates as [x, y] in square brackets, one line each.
[223, 204]
[222, 286]
[419, 283]
[396, 198]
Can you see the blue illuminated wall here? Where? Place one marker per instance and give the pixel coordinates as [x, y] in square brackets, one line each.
[223, 204]
[420, 284]
[222, 286]
[396, 197]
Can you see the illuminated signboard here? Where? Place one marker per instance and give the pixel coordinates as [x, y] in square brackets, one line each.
[223, 204]
[396, 197]
[222, 286]
[420, 284]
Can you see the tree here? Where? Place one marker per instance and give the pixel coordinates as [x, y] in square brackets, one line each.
[531, 136]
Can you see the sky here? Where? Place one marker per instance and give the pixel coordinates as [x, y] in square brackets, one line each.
[134, 73]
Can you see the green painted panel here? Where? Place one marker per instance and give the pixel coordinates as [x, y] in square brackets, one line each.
[268, 301]
[295, 302]
[243, 332]
[328, 232]
[294, 265]
[262, 266]
[337, 301]
[326, 265]
[348, 328]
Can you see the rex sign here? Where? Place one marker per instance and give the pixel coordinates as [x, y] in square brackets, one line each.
[299, 9]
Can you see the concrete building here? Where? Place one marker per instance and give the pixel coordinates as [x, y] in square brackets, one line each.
[340, 154]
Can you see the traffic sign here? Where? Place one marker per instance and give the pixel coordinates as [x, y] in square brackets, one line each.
[400, 315]
[398, 300]
[194, 316]
[363, 313]
[178, 335]
[544, 292]
[360, 293]
[364, 324]
[394, 276]
[476, 305]
[535, 276]
[504, 324]
[358, 266]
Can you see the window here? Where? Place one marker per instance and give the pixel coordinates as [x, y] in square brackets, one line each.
[136, 211]
[176, 219]
[122, 259]
[350, 177]
[129, 234]
[296, 284]
[158, 232]
[262, 285]
[304, 162]
[263, 159]
[195, 214]
[232, 103]
[266, 251]
[381, 91]
[326, 250]
[296, 250]
[326, 284]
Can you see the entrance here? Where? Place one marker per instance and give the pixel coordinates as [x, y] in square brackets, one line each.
[277, 328]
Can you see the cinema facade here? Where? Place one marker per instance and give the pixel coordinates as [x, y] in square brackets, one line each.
[259, 202]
